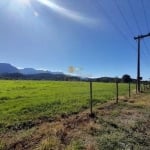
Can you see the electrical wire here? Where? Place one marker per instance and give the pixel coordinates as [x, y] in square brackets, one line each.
[139, 29]
[147, 25]
[123, 17]
[117, 28]
[127, 24]
[145, 16]
[134, 16]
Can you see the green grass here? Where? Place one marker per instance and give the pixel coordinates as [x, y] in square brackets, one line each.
[21, 101]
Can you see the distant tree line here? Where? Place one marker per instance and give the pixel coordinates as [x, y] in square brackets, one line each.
[62, 77]
[42, 76]
[125, 79]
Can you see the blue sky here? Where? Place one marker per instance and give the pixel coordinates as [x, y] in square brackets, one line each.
[93, 36]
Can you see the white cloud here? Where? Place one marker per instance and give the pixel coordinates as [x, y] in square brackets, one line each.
[68, 13]
[23, 3]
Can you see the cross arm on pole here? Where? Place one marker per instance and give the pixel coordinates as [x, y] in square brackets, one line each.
[141, 36]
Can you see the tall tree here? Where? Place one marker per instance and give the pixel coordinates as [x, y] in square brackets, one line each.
[126, 78]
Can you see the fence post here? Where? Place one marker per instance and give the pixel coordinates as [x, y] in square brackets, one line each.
[145, 87]
[91, 99]
[136, 88]
[142, 87]
[129, 89]
[117, 91]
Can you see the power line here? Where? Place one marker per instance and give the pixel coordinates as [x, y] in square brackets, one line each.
[117, 27]
[145, 16]
[102, 8]
[138, 28]
[146, 48]
[147, 25]
[123, 16]
[127, 24]
[134, 16]
[113, 23]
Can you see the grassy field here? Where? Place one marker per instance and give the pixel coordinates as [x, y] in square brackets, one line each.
[26, 106]
[23, 101]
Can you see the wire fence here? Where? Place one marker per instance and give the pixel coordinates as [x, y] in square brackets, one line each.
[28, 100]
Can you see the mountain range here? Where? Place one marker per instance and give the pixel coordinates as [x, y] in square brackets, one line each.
[6, 68]
[8, 71]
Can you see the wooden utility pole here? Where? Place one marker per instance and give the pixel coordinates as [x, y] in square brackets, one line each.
[139, 37]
